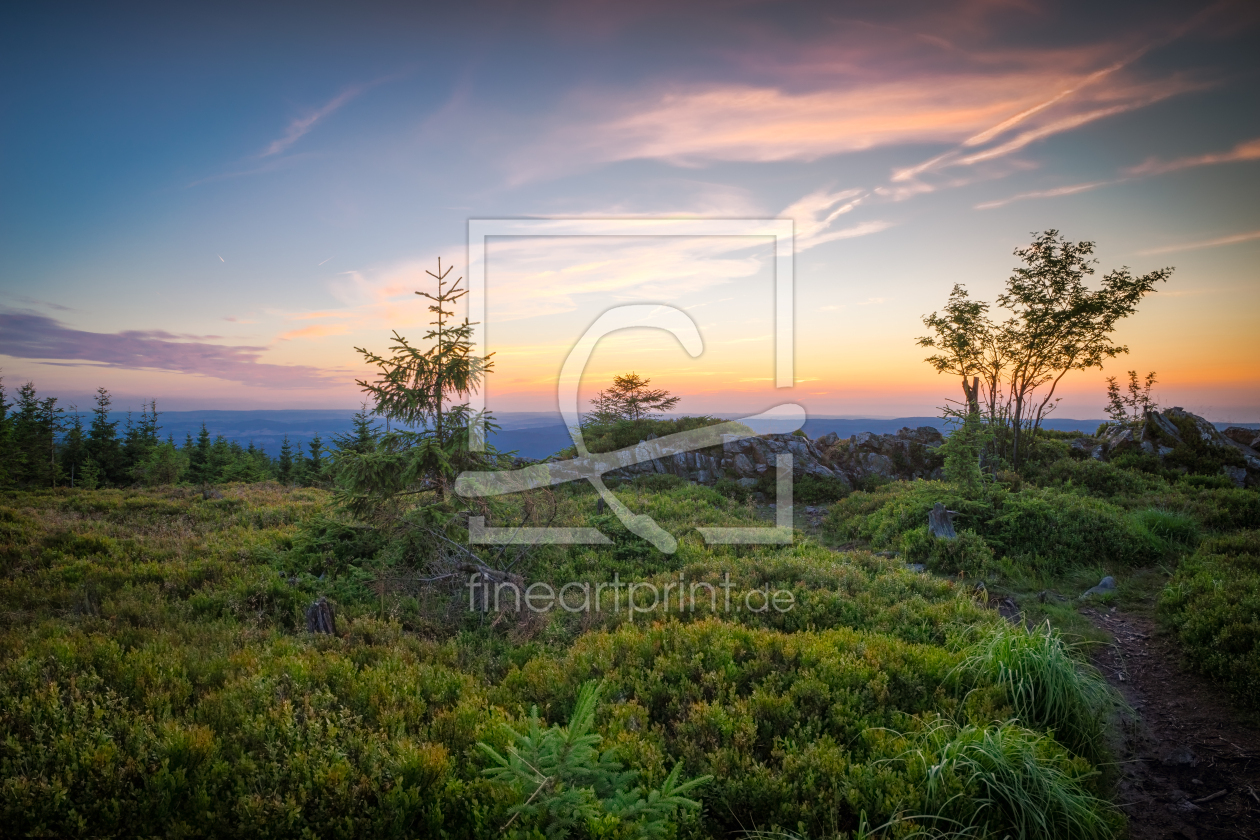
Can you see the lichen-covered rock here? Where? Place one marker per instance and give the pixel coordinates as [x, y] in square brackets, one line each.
[908, 454]
[1120, 439]
[1174, 435]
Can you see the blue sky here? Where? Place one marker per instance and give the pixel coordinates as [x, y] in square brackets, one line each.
[214, 206]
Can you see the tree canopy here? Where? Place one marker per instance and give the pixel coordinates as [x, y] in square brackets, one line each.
[1056, 324]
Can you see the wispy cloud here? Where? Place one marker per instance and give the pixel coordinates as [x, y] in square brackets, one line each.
[48, 303]
[300, 126]
[1247, 150]
[273, 165]
[816, 213]
[1070, 112]
[1205, 243]
[861, 86]
[29, 336]
[1071, 189]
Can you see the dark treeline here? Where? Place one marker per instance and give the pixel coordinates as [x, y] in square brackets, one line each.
[42, 444]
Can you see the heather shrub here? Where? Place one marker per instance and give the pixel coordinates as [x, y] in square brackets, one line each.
[1212, 602]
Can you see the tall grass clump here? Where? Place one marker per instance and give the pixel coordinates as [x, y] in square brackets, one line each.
[1006, 781]
[1176, 530]
[1048, 687]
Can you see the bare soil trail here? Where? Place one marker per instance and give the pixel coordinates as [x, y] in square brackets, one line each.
[1190, 762]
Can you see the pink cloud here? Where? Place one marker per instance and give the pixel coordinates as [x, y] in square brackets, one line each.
[30, 336]
[1247, 150]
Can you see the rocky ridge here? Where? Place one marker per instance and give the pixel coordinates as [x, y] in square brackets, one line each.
[907, 454]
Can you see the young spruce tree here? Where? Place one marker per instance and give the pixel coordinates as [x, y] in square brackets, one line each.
[425, 390]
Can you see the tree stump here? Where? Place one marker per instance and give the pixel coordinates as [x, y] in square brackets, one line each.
[320, 618]
[941, 522]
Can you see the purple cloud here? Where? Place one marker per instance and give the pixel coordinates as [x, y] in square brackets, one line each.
[26, 335]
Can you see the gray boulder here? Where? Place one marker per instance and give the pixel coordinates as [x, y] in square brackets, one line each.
[1107, 584]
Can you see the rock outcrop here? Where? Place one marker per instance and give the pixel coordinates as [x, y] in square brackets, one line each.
[1247, 437]
[1167, 433]
[908, 454]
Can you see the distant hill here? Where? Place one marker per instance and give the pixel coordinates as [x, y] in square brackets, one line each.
[531, 434]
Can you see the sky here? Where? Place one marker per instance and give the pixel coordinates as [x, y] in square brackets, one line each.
[213, 205]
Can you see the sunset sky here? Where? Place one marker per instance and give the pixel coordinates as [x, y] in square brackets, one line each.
[213, 206]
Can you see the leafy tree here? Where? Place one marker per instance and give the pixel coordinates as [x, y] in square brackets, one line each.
[630, 398]
[1056, 324]
[970, 349]
[1130, 409]
[567, 785]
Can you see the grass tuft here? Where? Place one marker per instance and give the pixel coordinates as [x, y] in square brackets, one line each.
[1007, 781]
[1049, 688]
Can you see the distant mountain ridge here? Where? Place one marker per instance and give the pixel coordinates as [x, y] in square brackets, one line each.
[532, 434]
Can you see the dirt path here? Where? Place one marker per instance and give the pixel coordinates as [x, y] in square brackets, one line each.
[1191, 766]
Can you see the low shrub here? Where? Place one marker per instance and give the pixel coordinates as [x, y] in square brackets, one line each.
[968, 554]
[1208, 482]
[1212, 602]
[1145, 462]
[1051, 530]
[798, 730]
[732, 489]
[167, 686]
[1042, 528]
[1226, 510]
[818, 490]
[658, 482]
[1097, 478]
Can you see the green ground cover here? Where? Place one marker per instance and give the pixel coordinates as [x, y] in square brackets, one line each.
[156, 678]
